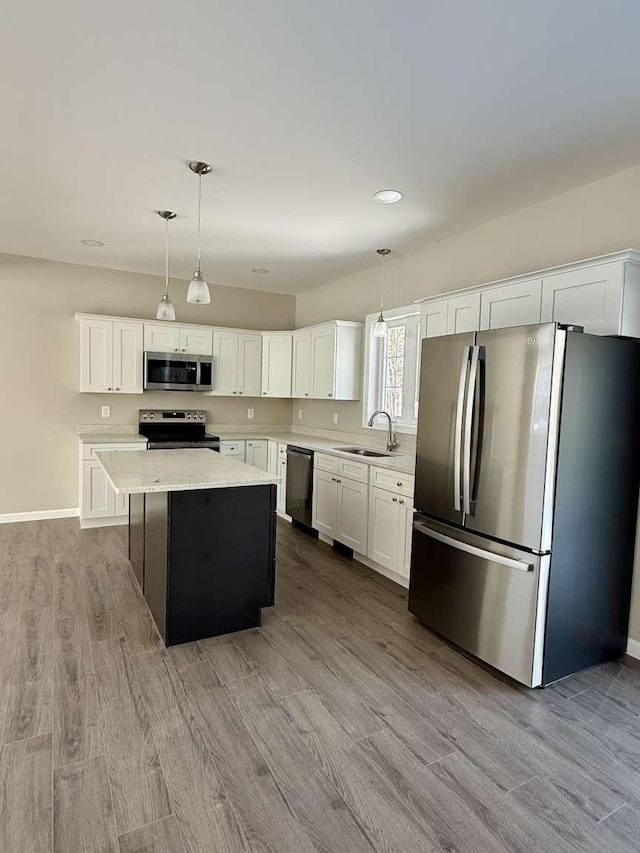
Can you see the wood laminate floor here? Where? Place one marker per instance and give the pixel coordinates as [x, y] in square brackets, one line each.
[340, 725]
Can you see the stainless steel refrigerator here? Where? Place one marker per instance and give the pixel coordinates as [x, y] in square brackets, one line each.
[527, 476]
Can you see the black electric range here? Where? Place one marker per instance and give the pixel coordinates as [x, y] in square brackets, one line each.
[168, 429]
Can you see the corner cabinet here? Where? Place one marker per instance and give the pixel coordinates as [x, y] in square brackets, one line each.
[277, 349]
[111, 356]
[327, 361]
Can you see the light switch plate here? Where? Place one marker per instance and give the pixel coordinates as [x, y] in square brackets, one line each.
[299, 414]
[106, 411]
[251, 413]
[335, 417]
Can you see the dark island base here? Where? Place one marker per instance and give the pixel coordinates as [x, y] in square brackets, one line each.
[205, 559]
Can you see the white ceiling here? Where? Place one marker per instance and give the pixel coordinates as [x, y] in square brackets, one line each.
[305, 109]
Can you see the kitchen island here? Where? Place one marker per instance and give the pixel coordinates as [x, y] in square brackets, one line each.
[201, 538]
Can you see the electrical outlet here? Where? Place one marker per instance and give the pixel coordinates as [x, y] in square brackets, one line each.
[106, 411]
[299, 414]
[251, 413]
[335, 417]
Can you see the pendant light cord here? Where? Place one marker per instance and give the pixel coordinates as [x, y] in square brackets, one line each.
[382, 284]
[166, 259]
[199, 213]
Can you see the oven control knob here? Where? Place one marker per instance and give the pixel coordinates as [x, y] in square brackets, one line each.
[188, 417]
[144, 417]
[152, 416]
[201, 416]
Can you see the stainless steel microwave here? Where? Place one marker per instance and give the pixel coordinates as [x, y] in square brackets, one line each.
[177, 371]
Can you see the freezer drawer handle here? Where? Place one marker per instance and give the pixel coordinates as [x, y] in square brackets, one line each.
[471, 549]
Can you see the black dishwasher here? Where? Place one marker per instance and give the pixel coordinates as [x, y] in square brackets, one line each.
[299, 484]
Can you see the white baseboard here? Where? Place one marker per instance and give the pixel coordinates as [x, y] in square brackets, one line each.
[105, 521]
[633, 648]
[39, 515]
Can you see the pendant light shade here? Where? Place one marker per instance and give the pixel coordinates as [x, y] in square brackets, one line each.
[198, 292]
[166, 311]
[380, 329]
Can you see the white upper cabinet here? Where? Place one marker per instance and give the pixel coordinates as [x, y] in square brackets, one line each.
[161, 337]
[111, 356]
[463, 313]
[301, 374]
[168, 337]
[516, 304]
[277, 349]
[593, 297]
[128, 340]
[433, 318]
[249, 363]
[196, 341]
[225, 362]
[327, 361]
[237, 358]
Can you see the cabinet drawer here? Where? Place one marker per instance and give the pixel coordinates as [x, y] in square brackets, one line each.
[232, 448]
[89, 450]
[325, 463]
[282, 450]
[392, 481]
[353, 470]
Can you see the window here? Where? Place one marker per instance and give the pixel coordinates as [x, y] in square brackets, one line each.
[392, 366]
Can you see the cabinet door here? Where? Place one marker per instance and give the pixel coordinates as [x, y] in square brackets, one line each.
[351, 521]
[249, 364]
[225, 362]
[516, 304]
[128, 341]
[590, 297]
[276, 364]
[232, 448]
[324, 503]
[196, 341]
[406, 532]
[98, 498]
[323, 361]
[96, 355]
[463, 313]
[301, 363]
[386, 529]
[161, 337]
[121, 504]
[256, 454]
[281, 489]
[433, 318]
[272, 457]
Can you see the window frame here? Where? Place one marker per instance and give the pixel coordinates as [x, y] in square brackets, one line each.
[373, 368]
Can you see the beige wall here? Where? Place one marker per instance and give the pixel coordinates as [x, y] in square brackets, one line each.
[594, 219]
[39, 353]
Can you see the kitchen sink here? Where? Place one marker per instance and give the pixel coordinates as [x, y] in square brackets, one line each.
[362, 451]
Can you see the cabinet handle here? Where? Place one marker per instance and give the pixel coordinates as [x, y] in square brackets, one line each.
[400, 502]
[329, 395]
[306, 393]
[395, 500]
[240, 392]
[233, 392]
[117, 389]
[109, 389]
[338, 481]
[398, 484]
[264, 393]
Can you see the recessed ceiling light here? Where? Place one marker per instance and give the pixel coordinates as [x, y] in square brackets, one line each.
[95, 244]
[259, 270]
[387, 196]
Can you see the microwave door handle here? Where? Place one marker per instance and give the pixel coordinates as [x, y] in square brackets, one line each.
[457, 438]
[198, 371]
[468, 431]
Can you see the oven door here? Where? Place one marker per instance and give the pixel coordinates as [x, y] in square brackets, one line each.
[173, 371]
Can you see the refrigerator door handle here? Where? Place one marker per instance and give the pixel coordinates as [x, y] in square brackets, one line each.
[457, 447]
[509, 562]
[468, 431]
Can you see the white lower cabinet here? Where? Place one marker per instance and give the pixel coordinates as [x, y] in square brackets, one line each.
[340, 508]
[99, 504]
[281, 488]
[233, 448]
[256, 453]
[390, 531]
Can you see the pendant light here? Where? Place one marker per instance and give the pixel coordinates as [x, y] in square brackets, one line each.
[166, 311]
[380, 328]
[198, 291]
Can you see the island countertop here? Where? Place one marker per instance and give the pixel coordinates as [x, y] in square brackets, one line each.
[144, 471]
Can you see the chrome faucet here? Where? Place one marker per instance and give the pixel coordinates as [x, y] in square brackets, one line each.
[392, 441]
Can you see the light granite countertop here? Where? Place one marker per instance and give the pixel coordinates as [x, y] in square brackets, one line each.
[404, 463]
[139, 472]
[112, 438]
